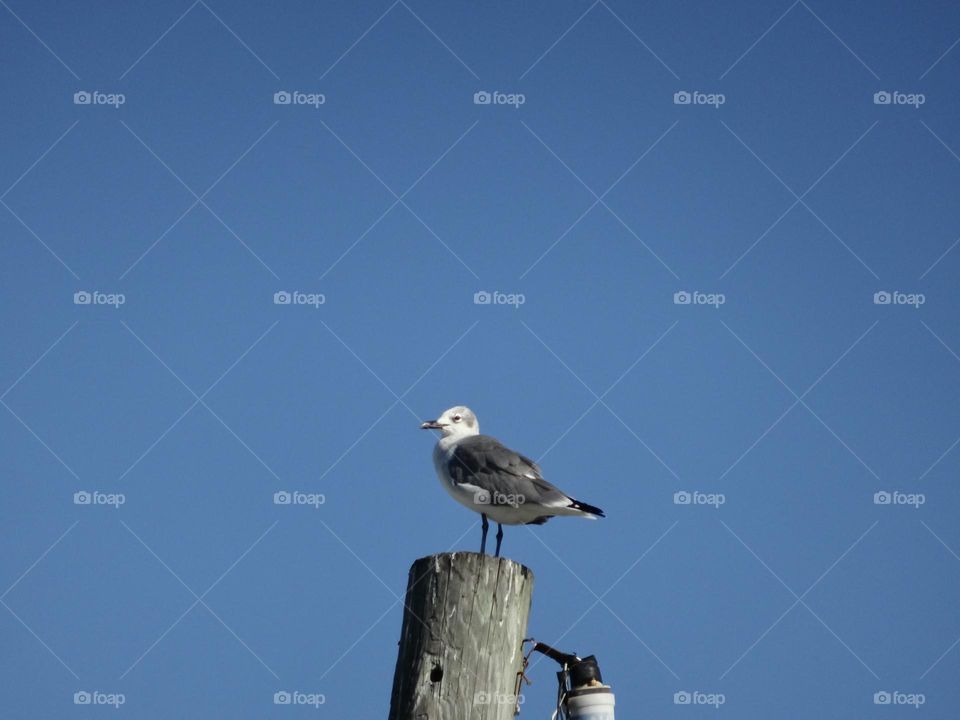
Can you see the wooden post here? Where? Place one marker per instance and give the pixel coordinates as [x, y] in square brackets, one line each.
[464, 621]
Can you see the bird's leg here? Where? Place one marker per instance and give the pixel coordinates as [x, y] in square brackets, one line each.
[483, 541]
[499, 539]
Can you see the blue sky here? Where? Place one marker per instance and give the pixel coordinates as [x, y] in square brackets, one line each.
[782, 398]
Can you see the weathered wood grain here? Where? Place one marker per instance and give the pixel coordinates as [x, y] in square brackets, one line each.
[464, 620]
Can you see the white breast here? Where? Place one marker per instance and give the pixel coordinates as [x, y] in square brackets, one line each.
[442, 452]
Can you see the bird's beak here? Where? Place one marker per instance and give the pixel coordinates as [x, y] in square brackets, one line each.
[430, 425]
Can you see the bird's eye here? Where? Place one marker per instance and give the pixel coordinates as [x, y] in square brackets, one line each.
[457, 418]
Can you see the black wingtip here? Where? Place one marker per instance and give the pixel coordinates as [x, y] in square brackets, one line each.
[587, 508]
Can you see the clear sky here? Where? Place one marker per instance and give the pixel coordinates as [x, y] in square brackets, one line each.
[781, 398]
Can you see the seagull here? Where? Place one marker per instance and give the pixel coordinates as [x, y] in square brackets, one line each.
[489, 478]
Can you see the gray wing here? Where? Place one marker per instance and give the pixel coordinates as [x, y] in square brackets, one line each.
[485, 462]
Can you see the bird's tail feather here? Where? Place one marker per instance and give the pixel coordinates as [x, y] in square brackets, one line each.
[587, 508]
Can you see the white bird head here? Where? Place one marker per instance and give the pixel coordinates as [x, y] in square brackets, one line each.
[458, 421]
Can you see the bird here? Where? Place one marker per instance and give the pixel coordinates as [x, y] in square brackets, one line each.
[487, 477]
